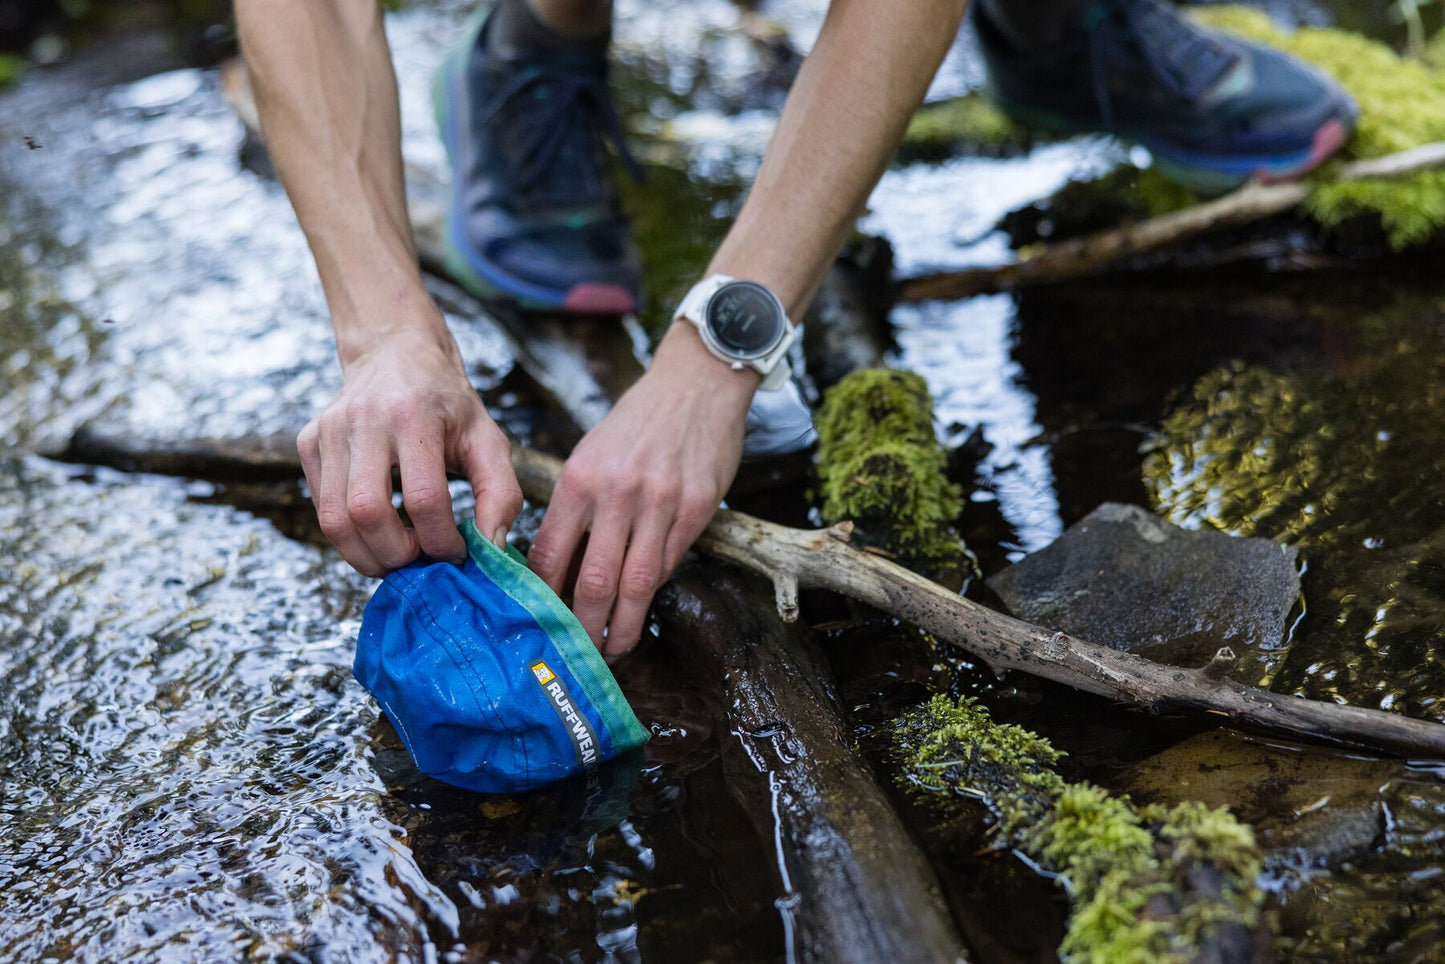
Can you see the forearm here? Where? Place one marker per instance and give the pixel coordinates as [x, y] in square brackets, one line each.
[843, 120]
[328, 103]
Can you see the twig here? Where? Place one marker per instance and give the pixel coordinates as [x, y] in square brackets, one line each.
[1078, 257]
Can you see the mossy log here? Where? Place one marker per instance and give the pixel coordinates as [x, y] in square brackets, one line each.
[1147, 884]
[1080, 257]
[880, 466]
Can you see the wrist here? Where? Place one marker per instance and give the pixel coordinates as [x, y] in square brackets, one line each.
[682, 358]
[411, 325]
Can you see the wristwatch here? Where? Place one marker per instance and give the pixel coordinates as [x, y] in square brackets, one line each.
[744, 324]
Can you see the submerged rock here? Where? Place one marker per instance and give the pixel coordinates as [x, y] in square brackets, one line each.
[1126, 579]
[1327, 803]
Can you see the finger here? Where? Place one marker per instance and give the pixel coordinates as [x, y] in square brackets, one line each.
[596, 588]
[368, 499]
[641, 575]
[692, 518]
[486, 458]
[558, 537]
[333, 468]
[308, 446]
[426, 497]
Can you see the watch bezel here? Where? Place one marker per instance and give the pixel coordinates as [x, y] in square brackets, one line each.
[772, 346]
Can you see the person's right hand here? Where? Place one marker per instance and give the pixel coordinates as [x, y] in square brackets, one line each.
[406, 402]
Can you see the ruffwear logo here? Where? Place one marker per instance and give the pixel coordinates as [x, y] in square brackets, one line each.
[584, 738]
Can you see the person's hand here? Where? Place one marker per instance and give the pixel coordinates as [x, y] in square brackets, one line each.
[406, 402]
[641, 486]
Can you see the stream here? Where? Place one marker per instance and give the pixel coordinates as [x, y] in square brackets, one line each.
[188, 770]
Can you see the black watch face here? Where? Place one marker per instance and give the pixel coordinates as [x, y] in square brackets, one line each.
[744, 318]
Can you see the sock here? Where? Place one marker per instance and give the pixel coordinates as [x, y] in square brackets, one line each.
[1030, 24]
[516, 30]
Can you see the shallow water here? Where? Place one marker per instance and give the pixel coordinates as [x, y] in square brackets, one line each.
[187, 770]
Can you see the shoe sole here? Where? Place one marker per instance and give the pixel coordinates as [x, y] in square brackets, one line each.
[1208, 174]
[485, 278]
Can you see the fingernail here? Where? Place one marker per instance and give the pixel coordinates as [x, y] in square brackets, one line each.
[499, 538]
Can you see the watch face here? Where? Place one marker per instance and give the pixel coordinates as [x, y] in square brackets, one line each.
[744, 318]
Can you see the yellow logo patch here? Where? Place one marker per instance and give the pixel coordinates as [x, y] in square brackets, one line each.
[543, 673]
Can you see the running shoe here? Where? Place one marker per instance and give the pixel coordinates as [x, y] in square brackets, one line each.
[534, 217]
[1213, 111]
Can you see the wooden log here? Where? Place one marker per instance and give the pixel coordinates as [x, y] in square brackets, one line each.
[855, 886]
[1079, 257]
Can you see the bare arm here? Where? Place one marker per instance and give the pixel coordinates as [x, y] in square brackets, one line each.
[645, 482]
[328, 103]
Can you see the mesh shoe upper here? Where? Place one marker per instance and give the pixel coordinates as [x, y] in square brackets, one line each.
[529, 140]
[1139, 69]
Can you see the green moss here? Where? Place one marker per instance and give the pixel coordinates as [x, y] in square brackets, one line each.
[967, 124]
[880, 465]
[1132, 872]
[1159, 195]
[11, 68]
[1400, 102]
[1434, 53]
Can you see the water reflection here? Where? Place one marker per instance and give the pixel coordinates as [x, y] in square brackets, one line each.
[1343, 462]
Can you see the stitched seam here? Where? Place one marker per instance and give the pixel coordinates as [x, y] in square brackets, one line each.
[618, 721]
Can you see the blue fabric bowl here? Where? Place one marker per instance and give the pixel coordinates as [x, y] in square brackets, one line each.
[487, 676]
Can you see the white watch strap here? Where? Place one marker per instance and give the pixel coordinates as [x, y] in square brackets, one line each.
[695, 300]
[773, 366]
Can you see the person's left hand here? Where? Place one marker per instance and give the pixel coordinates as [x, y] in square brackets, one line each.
[641, 486]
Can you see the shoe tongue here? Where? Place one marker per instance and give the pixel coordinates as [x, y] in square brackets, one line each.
[569, 171]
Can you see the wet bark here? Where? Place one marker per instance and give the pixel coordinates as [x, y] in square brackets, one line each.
[1080, 257]
[847, 328]
[855, 887]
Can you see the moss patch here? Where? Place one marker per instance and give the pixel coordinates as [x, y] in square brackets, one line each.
[1402, 105]
[11, 67]
[880, 465]
[1135, 874]
[962, 125]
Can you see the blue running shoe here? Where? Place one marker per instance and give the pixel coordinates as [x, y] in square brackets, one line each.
[534, 217]
[1213, 111]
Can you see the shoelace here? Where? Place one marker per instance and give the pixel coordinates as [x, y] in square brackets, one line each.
[1183, 58]
[577, 106]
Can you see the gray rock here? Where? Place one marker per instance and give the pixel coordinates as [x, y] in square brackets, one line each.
[1126, 579]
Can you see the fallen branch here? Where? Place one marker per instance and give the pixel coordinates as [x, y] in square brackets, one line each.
[1078, 257]
[822, 559]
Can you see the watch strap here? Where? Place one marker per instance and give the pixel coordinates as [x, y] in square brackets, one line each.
[773, 366]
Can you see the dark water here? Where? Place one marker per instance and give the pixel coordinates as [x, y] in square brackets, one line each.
[187, 770]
